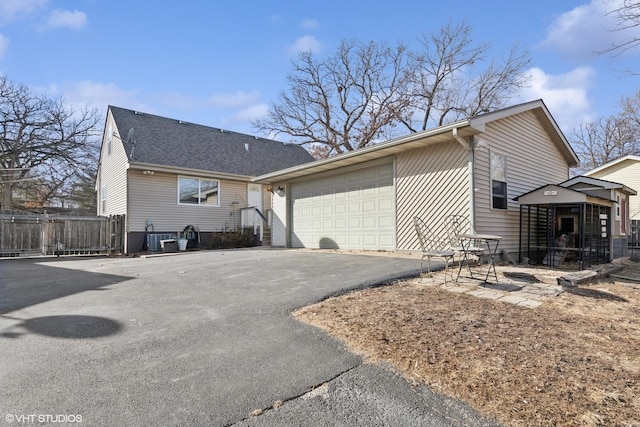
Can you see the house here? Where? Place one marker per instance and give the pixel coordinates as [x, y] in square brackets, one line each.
[618, 194]
[575, 221]
[168, 175]
[366, 199]
[625, 170]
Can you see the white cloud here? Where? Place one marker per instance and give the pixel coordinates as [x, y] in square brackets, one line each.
[4, 45]
[14, 9]
[89, 94]
[587, 30]
[309, 24]
[305, 44]
[253, 112]
[65, 19]
[233, 100]
[564, 94]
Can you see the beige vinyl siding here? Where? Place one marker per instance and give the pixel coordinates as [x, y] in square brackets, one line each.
[432, 183]
[266, 199]
[626, 172]
[113, 172]
[155, 197]
[532, 161]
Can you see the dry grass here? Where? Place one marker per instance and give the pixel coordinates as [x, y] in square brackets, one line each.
[575, 360]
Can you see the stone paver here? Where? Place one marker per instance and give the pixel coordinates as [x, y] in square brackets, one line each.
[526, 287]
[486, 293]
[513, 299]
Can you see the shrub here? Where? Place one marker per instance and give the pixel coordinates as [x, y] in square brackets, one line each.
[240, 238]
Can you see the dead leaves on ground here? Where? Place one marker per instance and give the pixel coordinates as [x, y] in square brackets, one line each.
[575, 360]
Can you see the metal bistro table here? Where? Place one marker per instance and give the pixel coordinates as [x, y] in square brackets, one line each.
[492, 242]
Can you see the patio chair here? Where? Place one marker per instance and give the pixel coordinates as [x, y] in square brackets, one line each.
[432, 247]
[455, 226]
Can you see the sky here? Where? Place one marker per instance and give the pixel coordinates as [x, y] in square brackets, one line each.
[223, 63]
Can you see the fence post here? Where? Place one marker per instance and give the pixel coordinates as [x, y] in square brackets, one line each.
[45, 233]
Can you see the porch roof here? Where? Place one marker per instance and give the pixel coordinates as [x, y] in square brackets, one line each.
[552, 194]
[596, 183]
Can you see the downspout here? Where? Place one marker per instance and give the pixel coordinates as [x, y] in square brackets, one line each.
[468, 146]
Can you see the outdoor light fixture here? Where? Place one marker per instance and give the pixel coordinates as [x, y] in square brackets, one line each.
[280, 191]
[481, 145]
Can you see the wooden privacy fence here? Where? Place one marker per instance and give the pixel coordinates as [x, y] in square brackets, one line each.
[29, 235]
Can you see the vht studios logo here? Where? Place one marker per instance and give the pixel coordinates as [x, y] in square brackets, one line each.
[43, 418]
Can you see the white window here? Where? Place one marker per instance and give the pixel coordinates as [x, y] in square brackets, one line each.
[198, 191]
[617, 206]
[622, 207]
[498, 181]
[103, 198]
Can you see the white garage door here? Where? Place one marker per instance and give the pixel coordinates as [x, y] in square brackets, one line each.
[351, 210]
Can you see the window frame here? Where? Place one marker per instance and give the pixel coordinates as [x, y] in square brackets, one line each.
[623, 215]
[199, 179]
[103, 198]
[503, 182]
[110, 140]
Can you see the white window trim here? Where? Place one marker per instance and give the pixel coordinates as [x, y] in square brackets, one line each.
[618, 207]
[110, 140]
[506, 183]
[199, 178]
[103, 198]
[623, 218]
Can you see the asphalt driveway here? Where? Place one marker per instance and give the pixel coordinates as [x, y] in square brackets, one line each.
[201, 338]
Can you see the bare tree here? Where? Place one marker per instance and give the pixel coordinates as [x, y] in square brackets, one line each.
[446, 85]
[42, 141]
[343, 102]
[603, 140]
[627, 14]
[630, 112]
[367, 92]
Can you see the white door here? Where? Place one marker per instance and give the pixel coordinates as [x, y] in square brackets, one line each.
[350, 210]
[254, 196]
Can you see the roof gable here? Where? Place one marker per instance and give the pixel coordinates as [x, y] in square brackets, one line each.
[582, 180]
[163, 141]
[446, 133]
[549, 194]
[631, 159]
[543, 115]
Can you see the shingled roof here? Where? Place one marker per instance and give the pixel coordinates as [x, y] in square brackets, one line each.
[171, 142]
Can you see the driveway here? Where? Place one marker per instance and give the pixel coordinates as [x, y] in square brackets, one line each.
[203, 338]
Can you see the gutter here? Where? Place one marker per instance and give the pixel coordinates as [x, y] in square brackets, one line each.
[468, 146]
[186, 171]
[362, 152]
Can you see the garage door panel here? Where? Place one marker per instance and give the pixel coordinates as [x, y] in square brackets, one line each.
[385, 205]
[353, 210]
[370, 222]
[386, 222]
[369, 206]
[355, 240]
[354, 207]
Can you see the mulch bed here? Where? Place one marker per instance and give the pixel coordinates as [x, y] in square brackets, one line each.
[575, 360]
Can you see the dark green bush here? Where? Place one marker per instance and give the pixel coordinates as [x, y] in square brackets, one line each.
[241, 238]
